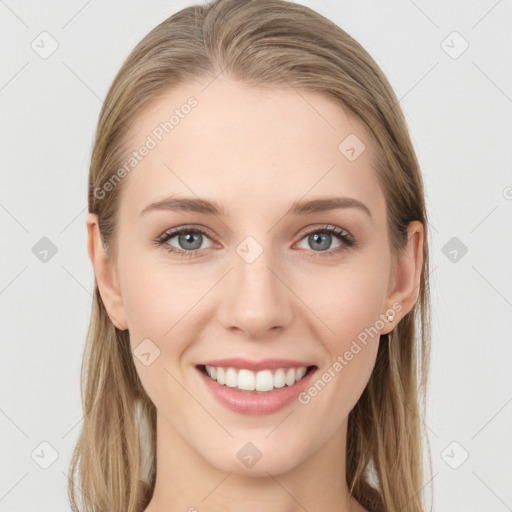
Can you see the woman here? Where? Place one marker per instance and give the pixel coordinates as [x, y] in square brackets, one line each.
[257, 230]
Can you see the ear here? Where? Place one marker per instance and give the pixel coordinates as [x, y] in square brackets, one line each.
[405, 279]
[105, 272]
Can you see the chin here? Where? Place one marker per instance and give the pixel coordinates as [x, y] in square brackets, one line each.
[257, 458]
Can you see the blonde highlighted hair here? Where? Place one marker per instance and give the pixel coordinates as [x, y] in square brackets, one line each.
[275, 42]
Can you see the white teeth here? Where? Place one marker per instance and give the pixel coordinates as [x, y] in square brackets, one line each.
[246, 380]
[290, 377]
[221, 376]
[264, 380]
[231, 378]
[279, 378]
[300, 372]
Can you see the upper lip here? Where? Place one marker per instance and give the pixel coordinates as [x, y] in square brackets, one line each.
[262, 364]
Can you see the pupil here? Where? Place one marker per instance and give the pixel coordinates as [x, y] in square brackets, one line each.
[189, 238]
[318, 239]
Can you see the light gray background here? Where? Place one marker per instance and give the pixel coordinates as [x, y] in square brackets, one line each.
[459, 114]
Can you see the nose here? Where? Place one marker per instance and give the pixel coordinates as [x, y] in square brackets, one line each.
[255, 298]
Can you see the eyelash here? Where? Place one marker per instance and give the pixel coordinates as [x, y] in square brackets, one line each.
[347, 240]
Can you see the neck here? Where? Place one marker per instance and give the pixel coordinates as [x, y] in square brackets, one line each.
[187, 482]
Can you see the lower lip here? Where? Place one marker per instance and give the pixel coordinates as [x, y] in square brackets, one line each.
[248, 402]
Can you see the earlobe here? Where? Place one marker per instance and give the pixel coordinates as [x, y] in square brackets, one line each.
[407, 275]
[105, 273]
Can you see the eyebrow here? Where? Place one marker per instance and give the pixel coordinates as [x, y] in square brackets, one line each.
[297, 208]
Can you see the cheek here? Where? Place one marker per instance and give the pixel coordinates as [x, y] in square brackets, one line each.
[350, 309]
[156, 296]
[349, 303]
[162, 300]
[162, 303]
[157, 301]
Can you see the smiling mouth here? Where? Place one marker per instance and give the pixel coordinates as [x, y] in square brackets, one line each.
[263, 381]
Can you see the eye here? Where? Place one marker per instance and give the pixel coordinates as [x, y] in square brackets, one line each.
[189, 240]
[321, 238]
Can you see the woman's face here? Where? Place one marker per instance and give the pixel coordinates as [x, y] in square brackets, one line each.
[261, 281]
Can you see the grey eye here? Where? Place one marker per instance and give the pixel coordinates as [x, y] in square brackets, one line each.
[319, 241]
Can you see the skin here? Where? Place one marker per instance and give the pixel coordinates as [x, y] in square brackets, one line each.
[254, 151]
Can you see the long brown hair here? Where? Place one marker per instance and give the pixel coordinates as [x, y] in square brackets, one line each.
[256, 42]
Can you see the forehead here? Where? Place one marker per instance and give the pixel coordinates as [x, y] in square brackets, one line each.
[248, 147]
